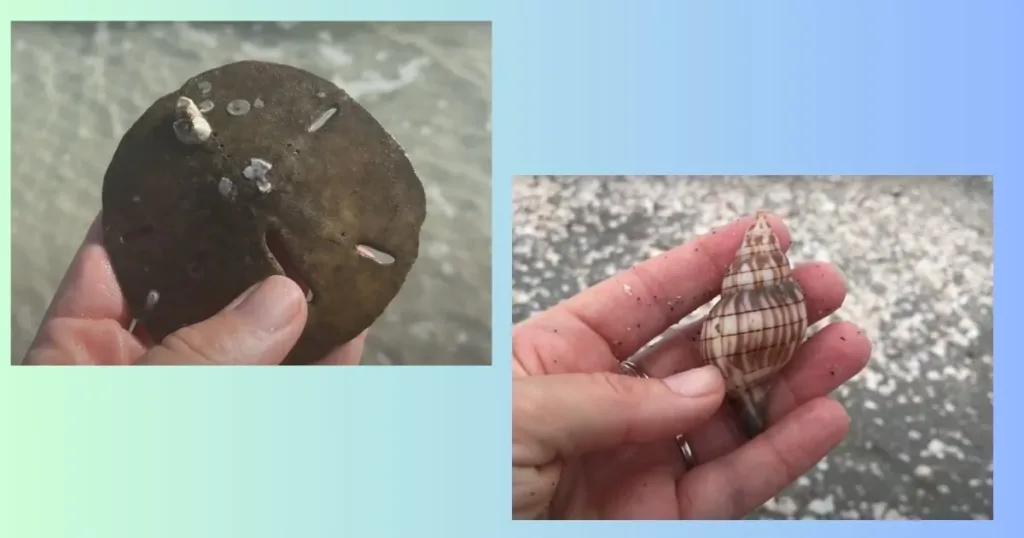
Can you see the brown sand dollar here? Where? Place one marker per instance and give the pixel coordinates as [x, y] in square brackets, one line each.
[253, 169]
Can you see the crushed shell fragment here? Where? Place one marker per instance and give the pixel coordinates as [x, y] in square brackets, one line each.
[152, 298]
[225, 186]
[257, 172]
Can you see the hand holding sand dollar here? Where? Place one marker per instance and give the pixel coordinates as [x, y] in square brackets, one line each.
[89, 322]
[252, 184]
[589, 442]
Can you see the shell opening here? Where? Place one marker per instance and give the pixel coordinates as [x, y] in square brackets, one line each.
[137, 233]
[278, 249]
[321, 120]
[378, 256]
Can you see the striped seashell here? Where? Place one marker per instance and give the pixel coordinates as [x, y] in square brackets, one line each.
[757, 325]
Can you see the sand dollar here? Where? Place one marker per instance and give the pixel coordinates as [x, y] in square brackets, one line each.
[200, 205]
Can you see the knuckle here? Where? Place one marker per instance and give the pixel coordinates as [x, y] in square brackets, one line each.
[684, 497]
[620, 387]
[192, 343]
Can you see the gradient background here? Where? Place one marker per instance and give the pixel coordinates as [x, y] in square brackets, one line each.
[581, 87]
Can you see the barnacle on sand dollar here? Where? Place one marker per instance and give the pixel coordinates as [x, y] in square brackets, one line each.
[757, 325]
[201, 202]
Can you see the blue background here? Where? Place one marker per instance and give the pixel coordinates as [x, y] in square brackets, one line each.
[580, 87]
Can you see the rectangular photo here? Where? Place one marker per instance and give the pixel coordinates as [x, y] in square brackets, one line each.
[251, 193]
[765, 347]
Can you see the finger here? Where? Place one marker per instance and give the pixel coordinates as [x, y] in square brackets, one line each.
[67, 341]
[140, 332]
[830, 358]
[89, 288]
[88, 302]
[735, 485]
[613, 319]
[634, 306]
[260, 327]
[824, 292]
[560, 344]
[827, 360]
[349, 353]
[574, 413]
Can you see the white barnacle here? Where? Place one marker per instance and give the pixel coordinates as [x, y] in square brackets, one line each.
[206, 106]
[238, 107]
[257, 172]
[151, 299]
[322, 119]
[205, 87]
[190, 126]
[185, 107]
[257, 103]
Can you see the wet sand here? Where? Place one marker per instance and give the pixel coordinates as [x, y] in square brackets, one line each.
[917, 254]
[76, 88]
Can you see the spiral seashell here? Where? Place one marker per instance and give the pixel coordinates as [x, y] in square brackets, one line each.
[757, 325]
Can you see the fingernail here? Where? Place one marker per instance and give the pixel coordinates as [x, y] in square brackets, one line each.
[695, 382]
[270, 304]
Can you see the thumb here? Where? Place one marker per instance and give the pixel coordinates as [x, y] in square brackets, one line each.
[574, 413]
[259, 327]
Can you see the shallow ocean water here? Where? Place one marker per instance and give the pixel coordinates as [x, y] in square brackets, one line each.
[76, 88]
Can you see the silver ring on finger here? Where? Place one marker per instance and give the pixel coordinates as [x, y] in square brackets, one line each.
[689, 461]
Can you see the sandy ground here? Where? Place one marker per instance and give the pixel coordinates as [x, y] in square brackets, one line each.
[917, 254]
[76, 87]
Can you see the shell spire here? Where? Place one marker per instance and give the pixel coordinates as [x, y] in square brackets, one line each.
[757, 325]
